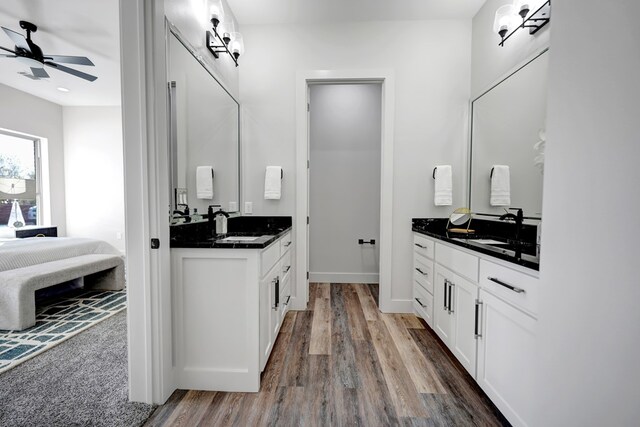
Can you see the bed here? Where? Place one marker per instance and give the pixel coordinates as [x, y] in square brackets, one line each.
[27, 265]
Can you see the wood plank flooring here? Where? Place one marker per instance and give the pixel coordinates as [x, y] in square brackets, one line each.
[344, 363]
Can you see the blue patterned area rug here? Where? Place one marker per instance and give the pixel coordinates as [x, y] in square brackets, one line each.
[58, 320]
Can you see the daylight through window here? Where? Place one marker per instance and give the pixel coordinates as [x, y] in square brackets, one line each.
[19, 181]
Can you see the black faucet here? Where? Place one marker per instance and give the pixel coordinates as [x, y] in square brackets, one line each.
[517, 218]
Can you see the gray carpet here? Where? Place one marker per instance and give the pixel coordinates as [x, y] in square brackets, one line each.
[81, 382]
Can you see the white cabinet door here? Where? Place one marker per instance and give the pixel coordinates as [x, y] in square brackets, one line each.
[276, 302]
[506, 358]
[464, 345]
[443, 319]
[267, 337]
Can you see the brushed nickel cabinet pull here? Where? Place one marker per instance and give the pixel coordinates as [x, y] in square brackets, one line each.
[506, 285]
[419, 302]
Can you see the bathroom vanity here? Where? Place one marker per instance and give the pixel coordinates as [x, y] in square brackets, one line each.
[479, 293]
[230, 295]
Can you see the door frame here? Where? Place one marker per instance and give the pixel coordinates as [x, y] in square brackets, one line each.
[303, 80]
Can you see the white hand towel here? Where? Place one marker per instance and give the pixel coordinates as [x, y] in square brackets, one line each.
[500, 186]
[273, 183]
[443, 195]
[204, 182]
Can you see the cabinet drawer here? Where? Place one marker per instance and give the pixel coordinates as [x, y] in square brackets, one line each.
[268, 258]
[285, 243]
[423, 303]
[515, 287]
[423, 272]
[423, 245]
[462, 263]
[285, 265]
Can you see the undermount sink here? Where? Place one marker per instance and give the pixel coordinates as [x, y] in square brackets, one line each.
[240, 239]
[489, 242]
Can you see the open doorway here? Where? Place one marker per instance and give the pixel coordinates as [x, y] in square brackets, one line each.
[345, 125]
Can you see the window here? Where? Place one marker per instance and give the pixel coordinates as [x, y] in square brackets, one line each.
[19, 180]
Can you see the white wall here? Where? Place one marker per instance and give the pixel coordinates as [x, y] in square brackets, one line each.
[28, 114]
[94, 176]
[488, 60]
[589, 321]
[344, 182]
[431, 61]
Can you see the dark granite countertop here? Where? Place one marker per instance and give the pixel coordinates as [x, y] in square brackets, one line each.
[201, 234]
[523, 252]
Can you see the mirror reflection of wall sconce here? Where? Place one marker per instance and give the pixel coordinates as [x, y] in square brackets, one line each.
[221, 40]
[511, 17]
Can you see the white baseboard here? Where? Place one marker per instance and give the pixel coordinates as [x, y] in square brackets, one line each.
[344, 277]
[396, 306]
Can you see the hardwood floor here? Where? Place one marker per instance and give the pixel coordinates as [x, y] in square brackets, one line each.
[342, 362]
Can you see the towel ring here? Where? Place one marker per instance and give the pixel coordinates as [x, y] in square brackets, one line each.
[491, 174]
[434, 172]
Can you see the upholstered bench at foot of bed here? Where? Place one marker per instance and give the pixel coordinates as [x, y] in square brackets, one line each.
[18, 286]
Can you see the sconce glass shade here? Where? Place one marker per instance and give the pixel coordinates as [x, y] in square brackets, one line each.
[506, 19]
[237, 44]
[216, 13]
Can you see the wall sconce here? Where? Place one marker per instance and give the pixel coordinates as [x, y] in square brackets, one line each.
[221, 41]
[511, 17]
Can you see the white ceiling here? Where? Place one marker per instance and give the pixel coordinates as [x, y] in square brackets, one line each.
[252, 12]
[67, 27]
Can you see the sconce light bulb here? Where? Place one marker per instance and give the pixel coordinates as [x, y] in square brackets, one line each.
[215, 21]
[236, 54]
[226, 38]
[503, 31]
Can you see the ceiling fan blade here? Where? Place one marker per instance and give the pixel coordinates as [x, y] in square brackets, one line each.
[78, 60]
[39, 72]
[7, 50]
[71, 71]
[17, 39]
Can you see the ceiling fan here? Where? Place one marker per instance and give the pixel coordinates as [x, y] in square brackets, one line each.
[29, 53]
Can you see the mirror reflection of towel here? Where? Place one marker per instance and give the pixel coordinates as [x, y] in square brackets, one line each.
[443, 194]
[500, 186]
[204, 182]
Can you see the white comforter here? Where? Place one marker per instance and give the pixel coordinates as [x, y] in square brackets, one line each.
[20, 253]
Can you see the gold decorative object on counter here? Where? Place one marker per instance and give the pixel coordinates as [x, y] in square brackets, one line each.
[459, 217]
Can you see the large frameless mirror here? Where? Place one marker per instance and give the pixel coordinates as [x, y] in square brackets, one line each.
[204, 132]
[507, 142]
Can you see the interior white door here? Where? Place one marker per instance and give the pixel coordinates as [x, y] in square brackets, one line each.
[344, 182]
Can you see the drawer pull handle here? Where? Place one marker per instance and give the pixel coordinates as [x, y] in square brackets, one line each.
[286, 245]
[506, 285]
[421, 272]
[420, 246]
[419, 302]
[287, 268]
[477, 334]
[288, 298]
[276, 299]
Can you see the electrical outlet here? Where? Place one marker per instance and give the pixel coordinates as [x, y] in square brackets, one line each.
[119, 235]
[233, 206]
[248, 208]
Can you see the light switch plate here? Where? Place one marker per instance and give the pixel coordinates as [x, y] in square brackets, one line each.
[248, 208]
[233, 206]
